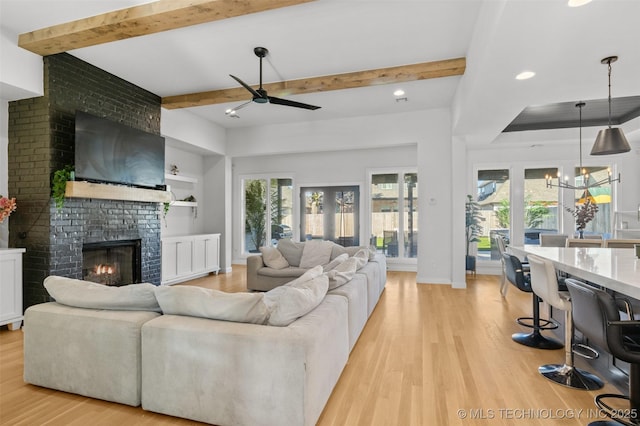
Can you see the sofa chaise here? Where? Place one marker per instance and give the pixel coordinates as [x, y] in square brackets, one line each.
[221, 358]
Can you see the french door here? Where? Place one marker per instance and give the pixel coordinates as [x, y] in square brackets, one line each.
[330, 213]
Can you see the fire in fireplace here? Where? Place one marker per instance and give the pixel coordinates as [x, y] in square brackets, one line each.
[113, 263]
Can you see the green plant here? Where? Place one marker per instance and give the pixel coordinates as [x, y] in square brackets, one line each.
[473, 220]
[59, 184]
[256, 206]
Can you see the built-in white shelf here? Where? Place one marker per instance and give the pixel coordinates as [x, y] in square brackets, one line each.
[183, 204]
[180, 178]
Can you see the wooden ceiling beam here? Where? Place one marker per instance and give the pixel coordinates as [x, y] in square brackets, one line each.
[150, 18]
[375, 77]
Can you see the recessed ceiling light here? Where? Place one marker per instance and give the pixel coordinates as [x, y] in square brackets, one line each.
[525, 75]
[398, 92]
[577, 3]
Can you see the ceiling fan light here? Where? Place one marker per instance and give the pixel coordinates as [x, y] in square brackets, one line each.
[610, 141]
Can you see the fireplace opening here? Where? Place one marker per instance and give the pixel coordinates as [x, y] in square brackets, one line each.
[113, 263]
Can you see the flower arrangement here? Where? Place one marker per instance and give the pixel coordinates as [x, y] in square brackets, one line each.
[7, 206]
[584, 213]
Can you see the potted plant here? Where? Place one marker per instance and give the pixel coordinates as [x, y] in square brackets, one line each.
[473, 220]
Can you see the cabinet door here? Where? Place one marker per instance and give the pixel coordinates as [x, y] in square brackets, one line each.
[199, 255]
[184, 257]
[169, 260]
[212, 250]
[10, 287]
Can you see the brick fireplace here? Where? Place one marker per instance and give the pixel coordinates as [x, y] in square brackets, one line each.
[41, 141]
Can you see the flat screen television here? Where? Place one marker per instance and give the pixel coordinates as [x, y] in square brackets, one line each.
[111, 152]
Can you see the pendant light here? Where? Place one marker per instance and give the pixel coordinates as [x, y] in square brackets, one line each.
[610, 140]
[586, 183]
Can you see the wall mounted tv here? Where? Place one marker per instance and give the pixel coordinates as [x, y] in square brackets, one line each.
[111, 152]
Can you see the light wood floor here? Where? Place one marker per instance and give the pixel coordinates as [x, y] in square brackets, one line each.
[429, 355]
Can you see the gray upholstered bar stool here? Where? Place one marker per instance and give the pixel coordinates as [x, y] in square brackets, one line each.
[597, 317]
[545, 284]
[522, 281]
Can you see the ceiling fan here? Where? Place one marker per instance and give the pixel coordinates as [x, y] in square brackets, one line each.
[260, 95]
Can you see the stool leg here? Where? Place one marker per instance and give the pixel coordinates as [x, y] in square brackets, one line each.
[535, 339]
[566, 374]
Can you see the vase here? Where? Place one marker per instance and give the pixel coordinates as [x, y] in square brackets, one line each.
[581, 234]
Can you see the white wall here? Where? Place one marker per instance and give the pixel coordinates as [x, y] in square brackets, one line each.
[340, 151]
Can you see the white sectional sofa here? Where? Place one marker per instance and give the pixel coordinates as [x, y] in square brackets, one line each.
[223, 372]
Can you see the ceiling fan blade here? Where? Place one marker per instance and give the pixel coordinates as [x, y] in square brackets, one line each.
[232, 112]
[286, 102]
[246, 86]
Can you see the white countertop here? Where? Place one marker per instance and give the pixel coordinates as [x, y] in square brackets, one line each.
[615, 268]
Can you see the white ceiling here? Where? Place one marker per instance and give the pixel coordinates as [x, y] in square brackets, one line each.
[499, 38]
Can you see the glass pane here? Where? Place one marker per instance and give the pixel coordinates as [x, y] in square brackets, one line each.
[540, 205]
[255, 214]
[314, 215]
[384, 213]
[411, 215]
[344, 230]
[281, 196]
[493, 197]
[598, 222]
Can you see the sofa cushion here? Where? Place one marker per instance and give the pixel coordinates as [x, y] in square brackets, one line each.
[362, 257]
[335, 262]
[202, 302]
[351, 250]
[272, 257]
[343, 273]
[87, 294]
[291, 250]
[316, 253]
[296, 298]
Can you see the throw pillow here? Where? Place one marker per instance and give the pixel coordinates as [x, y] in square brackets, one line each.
[335, 262]
[295, 299]
[213, 304]
[291, 250]
[272, 257]
[316, 253]
[87, 294]
[362, 257]
[342, 273]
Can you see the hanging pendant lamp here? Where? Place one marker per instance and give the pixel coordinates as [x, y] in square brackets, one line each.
[610, 140]
[587, 181]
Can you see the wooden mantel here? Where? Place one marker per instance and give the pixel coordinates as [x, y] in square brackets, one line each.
[78, 189]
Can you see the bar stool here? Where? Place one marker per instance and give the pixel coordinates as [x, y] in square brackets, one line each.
[545, 284]
[597, 317]
[499, 240]
[535, 339]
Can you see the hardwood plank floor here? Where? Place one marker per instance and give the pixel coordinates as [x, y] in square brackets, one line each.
[429, 355]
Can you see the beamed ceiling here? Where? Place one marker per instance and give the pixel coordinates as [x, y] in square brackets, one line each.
[349, 56]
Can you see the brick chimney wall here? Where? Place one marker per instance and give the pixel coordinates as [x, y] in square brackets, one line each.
[41, 141]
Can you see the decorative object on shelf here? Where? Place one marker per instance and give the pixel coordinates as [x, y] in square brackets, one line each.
[473, 220]
[7, 206]
[584, 213]
[586, 184]
[59, 184]
[174, 169]
[610, 140]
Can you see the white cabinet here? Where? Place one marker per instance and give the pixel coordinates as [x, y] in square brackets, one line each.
[189, 256]
[11, 287]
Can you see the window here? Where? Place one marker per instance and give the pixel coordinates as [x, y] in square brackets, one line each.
[331, 213]
[493, 197]
[267, 212]
[540, 205]
[394, 230]
[600, 196]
